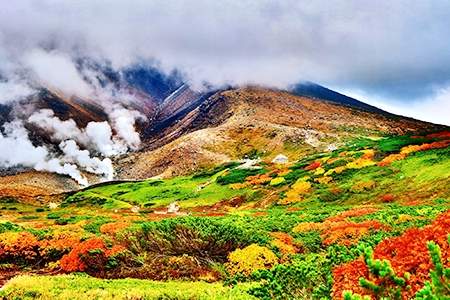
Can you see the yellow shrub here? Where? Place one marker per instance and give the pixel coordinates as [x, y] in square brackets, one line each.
[363, 185]
[324, 179]
[238, 186]
[404, 218]
[249, 259]
[307, 226]
[298, 189]
[360, 163]
[319, 171]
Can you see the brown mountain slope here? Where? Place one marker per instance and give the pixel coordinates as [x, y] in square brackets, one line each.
[226, 126]
[238, 123]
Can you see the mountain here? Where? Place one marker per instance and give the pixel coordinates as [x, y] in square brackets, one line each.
[186, 130]
[316, 91]
[254, 121]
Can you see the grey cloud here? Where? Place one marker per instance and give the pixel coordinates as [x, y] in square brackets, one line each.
[397, 49]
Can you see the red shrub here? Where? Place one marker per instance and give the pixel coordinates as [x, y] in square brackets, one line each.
[346, 278]
[313, 166]
[387, 198]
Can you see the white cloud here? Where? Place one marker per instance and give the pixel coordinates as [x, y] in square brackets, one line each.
[434, 109]
[11, 91]
[57, 71]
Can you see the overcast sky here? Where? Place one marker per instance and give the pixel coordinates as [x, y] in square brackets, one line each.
[394, 54]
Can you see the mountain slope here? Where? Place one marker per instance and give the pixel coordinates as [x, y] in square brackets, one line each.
[187, 130]
[249, 122]
[313, 90]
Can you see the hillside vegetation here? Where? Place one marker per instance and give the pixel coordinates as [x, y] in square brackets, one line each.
[370, 218]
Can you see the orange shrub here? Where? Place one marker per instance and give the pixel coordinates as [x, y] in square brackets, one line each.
[348, 233]
[20, 245]
[84, 251]
[258, 179]
[284, 242]
[405, 151]
[113, 228]
[59, 242]
[407, 254]
[353, 212]
[390, 159]
[387, 198]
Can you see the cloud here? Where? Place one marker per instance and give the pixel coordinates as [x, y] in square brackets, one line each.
[397, 50]
[434, 108]
[57, 71]
[13, 90]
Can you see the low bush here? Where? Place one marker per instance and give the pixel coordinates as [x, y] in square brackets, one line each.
[307, 276]
[238, 175]
[250, 259]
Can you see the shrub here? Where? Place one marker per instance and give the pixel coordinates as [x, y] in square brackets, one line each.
[159, 267]
[206, 239]
[18, 247]
[439, 287]
[250, 259]
[90, 256]
[306, 277]
[8, 226]
[113, 228]
[313, 166]
[406, 254]
[277, 181]
[238, 175]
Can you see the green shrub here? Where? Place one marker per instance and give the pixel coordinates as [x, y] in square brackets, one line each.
[207, 239]
[307, 276]
[238, 175]
[439, 287]
[8, 226]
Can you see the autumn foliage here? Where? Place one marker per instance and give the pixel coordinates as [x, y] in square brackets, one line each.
[407, 254]
[91, 249]
[405, 151]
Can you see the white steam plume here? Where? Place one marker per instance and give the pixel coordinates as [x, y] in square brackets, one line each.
[18, 150]
[100, 135]
[97, 135]
[54, 165]
[83, 159]
[60, 130]
[123, 121]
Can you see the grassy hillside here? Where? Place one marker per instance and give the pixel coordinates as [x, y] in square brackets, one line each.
[370, 218]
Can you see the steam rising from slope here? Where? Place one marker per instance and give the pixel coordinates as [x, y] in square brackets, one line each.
[96, 137]
[80, 149]
[17, 150]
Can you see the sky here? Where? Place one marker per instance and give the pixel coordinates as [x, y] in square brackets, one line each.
[392, 54]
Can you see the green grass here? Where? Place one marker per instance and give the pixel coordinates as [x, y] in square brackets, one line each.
[187, 191]
[82, 287]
